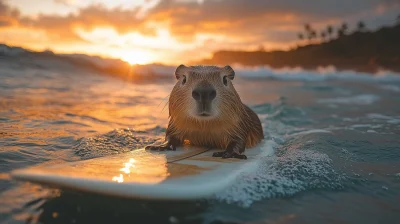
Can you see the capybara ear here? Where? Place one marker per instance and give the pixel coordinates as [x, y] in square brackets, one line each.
[180, 70]
[229, 72]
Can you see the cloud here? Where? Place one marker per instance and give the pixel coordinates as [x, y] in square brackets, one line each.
[64, 28]
[236, 23]
[87, 18]
[8, 15]
[254, 18]
[65, 2]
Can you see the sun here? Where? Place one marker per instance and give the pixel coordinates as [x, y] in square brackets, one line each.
[136, 57]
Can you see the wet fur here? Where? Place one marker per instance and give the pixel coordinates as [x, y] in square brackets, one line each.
[233, 121]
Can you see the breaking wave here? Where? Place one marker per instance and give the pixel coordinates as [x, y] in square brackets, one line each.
[291, 74]
[291, 169]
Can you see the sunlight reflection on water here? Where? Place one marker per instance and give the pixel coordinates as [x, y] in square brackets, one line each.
[57, 115]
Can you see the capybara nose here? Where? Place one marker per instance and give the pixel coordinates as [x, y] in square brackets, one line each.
[204, 94]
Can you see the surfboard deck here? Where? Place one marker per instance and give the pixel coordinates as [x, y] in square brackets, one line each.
[184, 174]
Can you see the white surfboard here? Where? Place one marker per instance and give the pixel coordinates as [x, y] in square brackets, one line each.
[187, 173]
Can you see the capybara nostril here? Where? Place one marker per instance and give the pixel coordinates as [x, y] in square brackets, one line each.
[213, 94]
[196, 94]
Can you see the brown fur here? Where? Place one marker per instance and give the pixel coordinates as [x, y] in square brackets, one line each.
[234, 120]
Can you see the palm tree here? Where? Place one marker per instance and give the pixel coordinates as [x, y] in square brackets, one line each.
[310, 33]
[323, 36]
[300, 36]
[307, 27]
[313, 34]
[329, 31]
[340, 32]
[361, 26]
[344, 28]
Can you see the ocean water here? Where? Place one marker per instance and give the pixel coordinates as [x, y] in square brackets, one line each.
[335, 138]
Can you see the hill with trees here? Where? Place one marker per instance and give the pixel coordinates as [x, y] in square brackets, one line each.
[361, 50]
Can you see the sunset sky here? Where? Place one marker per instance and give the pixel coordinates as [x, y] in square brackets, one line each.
[173, 32]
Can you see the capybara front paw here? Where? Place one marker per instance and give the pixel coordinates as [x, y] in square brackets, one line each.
[229, 154]
[162, 147]
[218, 154]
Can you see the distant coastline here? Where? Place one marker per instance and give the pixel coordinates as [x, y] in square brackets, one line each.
[362, 51]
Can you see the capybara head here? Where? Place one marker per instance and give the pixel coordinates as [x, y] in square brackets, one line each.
[204, 93]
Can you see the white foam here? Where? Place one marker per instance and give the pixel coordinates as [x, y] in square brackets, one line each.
[295, 74]
[294, 171]
[393, 88]
[320, 74]
[313, 131]
[378, 116]
[349, 119]
[361, 126]
[394, 121]
[364, 99]
[284, 173]
[11, 51]
[389, 119]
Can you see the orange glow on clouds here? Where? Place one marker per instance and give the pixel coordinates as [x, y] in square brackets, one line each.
[171, 32]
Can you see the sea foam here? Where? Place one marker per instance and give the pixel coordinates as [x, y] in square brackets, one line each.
[290, 74]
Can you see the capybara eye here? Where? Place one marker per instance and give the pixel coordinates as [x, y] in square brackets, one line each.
[184, 80]
[225, 80]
